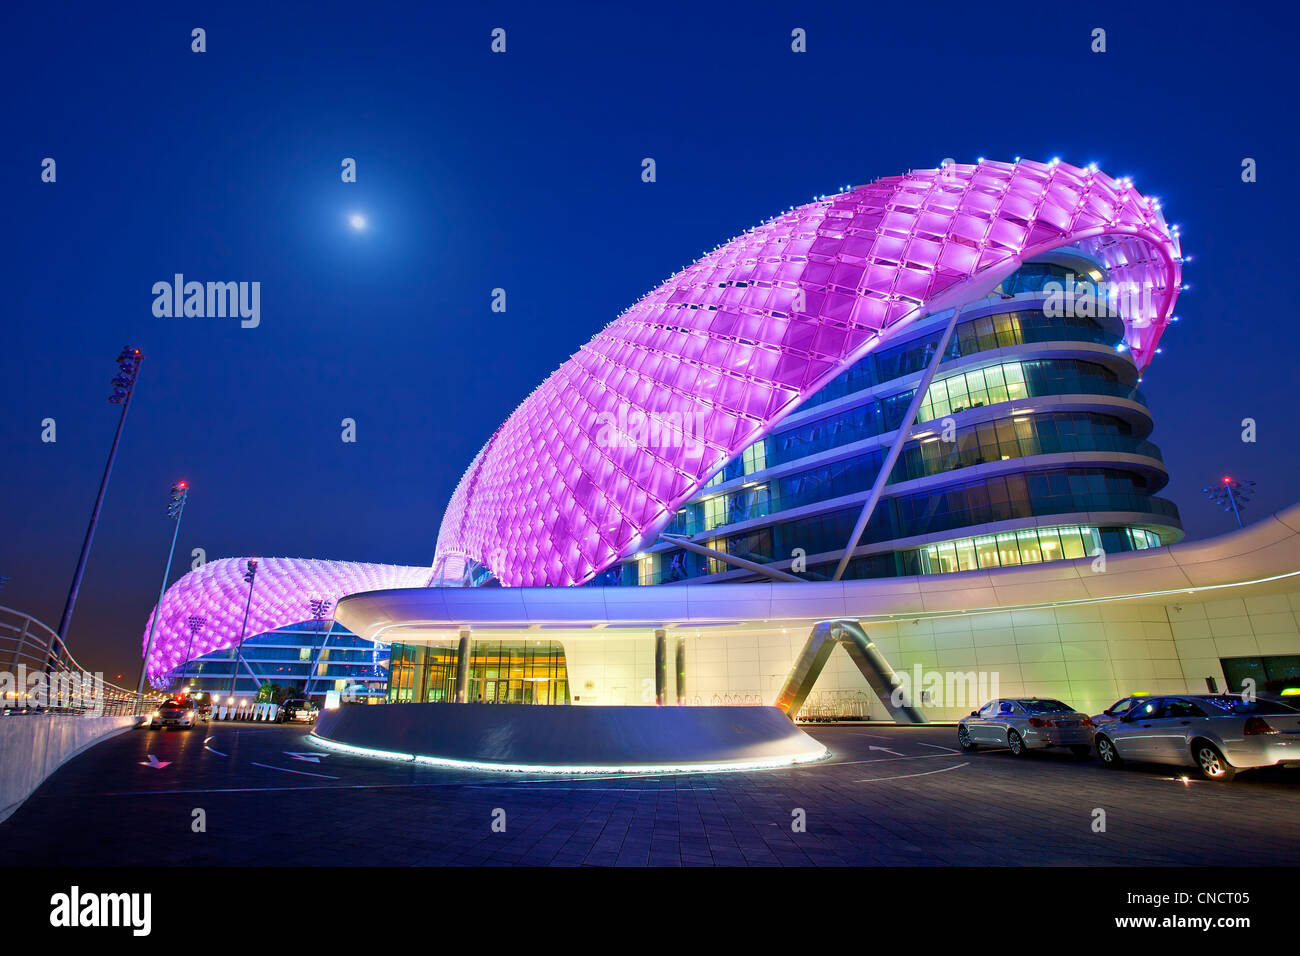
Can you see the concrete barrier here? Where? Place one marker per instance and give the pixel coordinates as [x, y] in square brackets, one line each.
[33, 746]
[514, 736]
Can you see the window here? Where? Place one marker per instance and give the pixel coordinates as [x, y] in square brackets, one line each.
[645, 570]
[1147, 709]
[1181, 708]
[1036, 705]
[715, 512]
[1258, 706]
[518, 672]
[1123, 707]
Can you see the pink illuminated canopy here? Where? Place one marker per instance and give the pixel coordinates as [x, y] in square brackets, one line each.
[718, 354]
[216, 594]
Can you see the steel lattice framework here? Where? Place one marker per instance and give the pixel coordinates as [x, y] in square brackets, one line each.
[716, 356]
[282, 594]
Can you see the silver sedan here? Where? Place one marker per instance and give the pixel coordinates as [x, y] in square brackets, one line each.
[1022, 724]
[1218, 734]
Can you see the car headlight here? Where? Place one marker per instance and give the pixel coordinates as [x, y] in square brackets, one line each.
[155, 713]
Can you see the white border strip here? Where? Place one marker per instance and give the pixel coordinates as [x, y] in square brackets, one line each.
[771, 763]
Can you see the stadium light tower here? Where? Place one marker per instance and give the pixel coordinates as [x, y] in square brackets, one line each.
[128, 369]
[320, 608]
[250, 575]
[1232, 495]
[197, 622]
[175, 508]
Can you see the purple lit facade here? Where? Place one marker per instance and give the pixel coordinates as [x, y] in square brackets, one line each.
[285, 586]
[712, 360]
[719, 354]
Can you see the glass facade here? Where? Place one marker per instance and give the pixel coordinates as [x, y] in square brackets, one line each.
[985, 333]
[787, 491]
[312, 657]
[1018, 437]
[999, 498]
[1275, 674]
[500, 672]
[1026, 546]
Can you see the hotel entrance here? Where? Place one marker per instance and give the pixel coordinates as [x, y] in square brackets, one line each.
[500, 672]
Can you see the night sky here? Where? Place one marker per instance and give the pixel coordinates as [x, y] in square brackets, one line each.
[522, 171]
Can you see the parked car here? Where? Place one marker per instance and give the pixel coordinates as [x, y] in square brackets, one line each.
[1120, 707]
[177, 712]
[1022, 724]
[1218, 734]
[291, 710]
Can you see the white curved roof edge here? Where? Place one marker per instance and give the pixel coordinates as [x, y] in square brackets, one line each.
[1259, 557]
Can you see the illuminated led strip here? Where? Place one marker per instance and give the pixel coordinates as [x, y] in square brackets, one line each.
[1044, 605]
[767, 764]
[680, 625]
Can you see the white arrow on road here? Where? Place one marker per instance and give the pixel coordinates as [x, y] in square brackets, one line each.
[886, 750]
[309, 757]
[155, 763]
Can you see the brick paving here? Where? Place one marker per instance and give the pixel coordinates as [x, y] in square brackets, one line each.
[919, 805]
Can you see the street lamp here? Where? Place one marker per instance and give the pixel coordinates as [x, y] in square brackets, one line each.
[128, 369]
[196, 623]
[175, 508]
[250, 575]
[1232, 495]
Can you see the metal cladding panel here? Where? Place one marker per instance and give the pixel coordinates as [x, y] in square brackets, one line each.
[595, 461]
[217, 593]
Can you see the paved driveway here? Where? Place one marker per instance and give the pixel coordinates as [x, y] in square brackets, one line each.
[888, 796]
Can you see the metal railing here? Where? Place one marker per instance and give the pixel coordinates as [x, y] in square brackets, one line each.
[39, 675]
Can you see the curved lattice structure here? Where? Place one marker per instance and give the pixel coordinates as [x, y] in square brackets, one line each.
[217, 593]
[597, 459]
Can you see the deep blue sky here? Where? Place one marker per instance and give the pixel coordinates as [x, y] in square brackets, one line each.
[523, 171]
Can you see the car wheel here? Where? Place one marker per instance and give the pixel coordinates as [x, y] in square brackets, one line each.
[1107, 753]
[964, 739]
[1016, 743]
[1210, 762]
[1080, 750]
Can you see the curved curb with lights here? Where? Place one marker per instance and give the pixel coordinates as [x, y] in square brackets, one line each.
[522, 738]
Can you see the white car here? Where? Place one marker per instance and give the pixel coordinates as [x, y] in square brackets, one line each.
[1022, 724]
[176, 713]
[1218, 734]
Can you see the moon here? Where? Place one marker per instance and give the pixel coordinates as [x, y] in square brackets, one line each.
[357, 221]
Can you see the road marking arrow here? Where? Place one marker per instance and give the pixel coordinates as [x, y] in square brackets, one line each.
[155, 763]
[886, 750]
[309, 757]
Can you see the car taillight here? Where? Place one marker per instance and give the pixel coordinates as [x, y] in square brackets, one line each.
[1257, 725]
[1087, 722]
[1040, 722]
